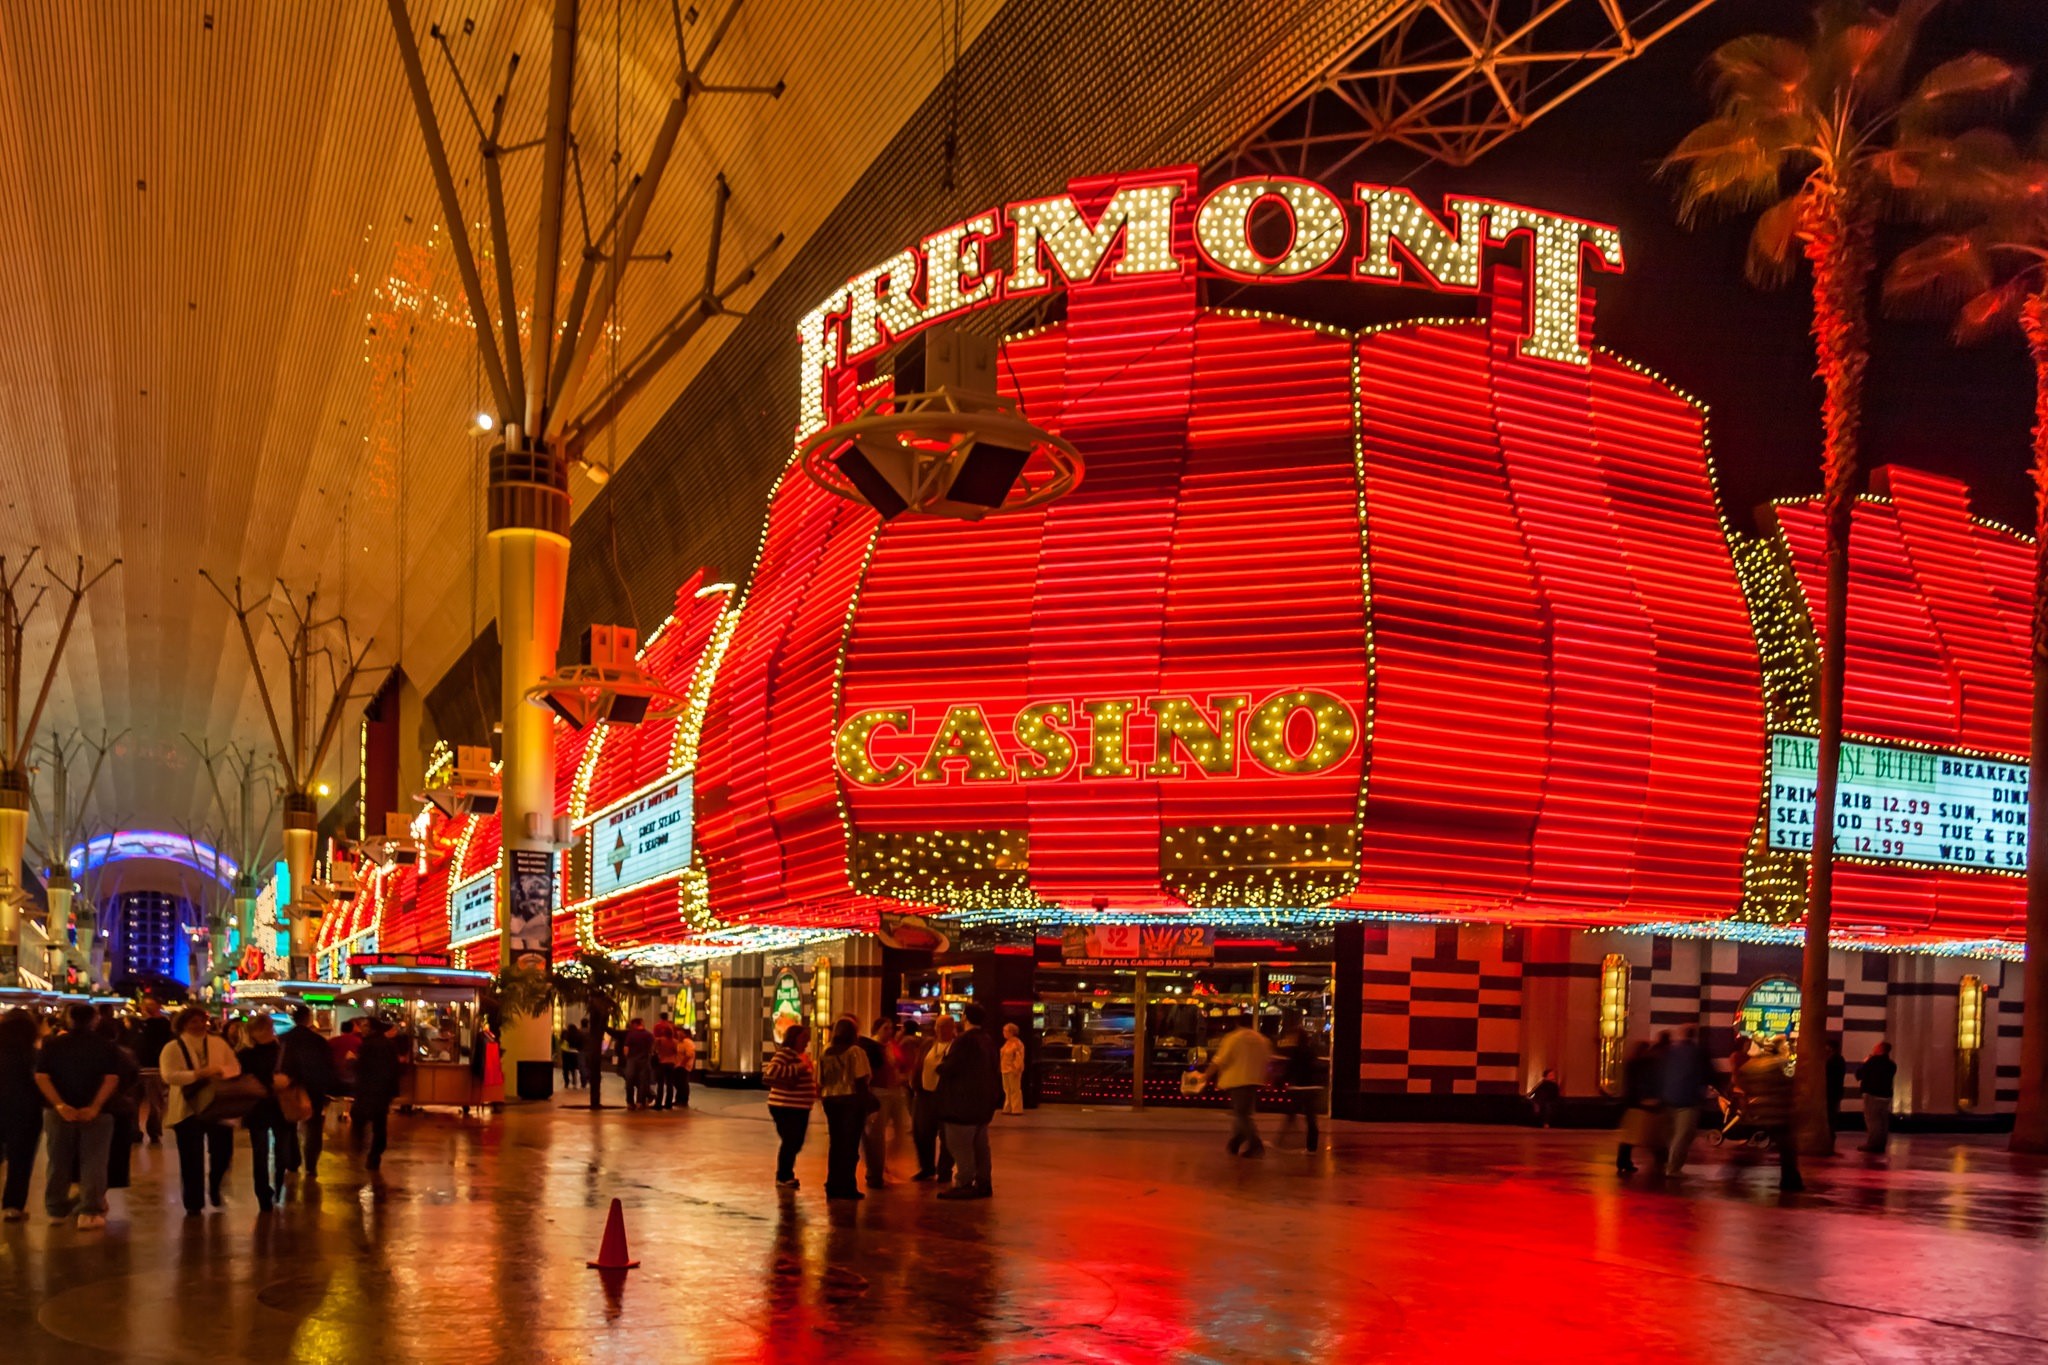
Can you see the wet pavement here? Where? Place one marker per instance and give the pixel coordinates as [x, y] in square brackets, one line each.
[1112, 1237]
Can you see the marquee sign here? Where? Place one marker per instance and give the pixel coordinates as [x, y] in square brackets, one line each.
[1902, 805]
[1131, 234]
[1303, 731]
[473, 908]
[642, 840]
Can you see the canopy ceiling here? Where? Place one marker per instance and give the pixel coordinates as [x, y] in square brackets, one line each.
[232, 322]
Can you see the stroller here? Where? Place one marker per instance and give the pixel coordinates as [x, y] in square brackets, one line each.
[1730, 1126]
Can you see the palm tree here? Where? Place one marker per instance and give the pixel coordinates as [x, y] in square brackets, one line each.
[1993, 272]
[1817, 133]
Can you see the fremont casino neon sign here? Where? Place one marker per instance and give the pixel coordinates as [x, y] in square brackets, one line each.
[1055, 241]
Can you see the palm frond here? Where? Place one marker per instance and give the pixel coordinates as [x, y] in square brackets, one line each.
[1970, 86]
[1992, 310]
[1936, 179]
[1935, 275]
[1771, 254]
[1760, 70]
[1726, 166]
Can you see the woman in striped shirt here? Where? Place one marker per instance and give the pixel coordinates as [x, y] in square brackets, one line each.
[792, 1090]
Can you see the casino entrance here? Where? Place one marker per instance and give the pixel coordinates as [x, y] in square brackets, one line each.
[1109, 1027]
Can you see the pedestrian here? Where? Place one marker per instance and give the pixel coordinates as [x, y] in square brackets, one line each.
[78, 1072]
[1543, 1098]
[792, 1090]
[192, 1063]
[1683, 1089]
[593, 1057]
[885, 1087]
[1238, 1068]
[346, 1046]
[927, 1131]
[152, 1033]
[1876, 1078]
[264, 1122]
[970, 1092]
[377, 1078]
[1767, 1106]
[844, 1075]
[124, 1105]
[1011, 1058]
[1641, 1077]
[309, 1061]
[636, 1054]
[1301, 1073]
[686, 1063]
[1838, 1083]
[572, 1057]
[21, 1109]
[664, 1063]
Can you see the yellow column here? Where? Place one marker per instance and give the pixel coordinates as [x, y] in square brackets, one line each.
[529, 525]
[13, 841]
[301, 830]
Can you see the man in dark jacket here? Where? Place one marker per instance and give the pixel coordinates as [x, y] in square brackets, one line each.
[970, 1092]
[1877, 1076]
[377, 1078]
[308, 1060]
[152, 1036]
[1683, 1088]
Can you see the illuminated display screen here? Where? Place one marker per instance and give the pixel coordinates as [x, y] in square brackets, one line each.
[1904, 805]
[473, 908]
[642, 840]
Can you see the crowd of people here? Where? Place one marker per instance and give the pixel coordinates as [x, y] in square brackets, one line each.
[1670, 1085]
[655, 1064]
[893, 1087]
[88, 1089]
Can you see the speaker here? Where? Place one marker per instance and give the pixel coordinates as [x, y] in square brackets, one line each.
[627, 709]
[569, 718]
[987, 473]
[871, 482]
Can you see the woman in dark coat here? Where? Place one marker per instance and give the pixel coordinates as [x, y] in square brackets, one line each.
[377, 1079]
[269, 1148]
[21, 1108]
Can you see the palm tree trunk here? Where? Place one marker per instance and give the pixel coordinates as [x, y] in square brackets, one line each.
[2030, 1120]
[1836, 239]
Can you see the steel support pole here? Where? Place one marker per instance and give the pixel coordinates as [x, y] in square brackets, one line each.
[13, 843]
[301, 828]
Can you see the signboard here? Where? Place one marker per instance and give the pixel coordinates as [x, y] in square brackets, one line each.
[1770, 1009]
[787, 1003]
[916, 933]
[1901, 805]
[1137, 945]
[473, 908]
[641, 841]
[530, 908]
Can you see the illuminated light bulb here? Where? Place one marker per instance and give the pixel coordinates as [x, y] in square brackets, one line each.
[483, 421]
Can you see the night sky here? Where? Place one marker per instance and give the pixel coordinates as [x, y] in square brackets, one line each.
[1683, 307]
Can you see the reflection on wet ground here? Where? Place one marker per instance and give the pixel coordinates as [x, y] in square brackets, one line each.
[1113, 1237]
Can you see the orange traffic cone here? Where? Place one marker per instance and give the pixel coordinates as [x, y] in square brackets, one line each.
[612, 1254]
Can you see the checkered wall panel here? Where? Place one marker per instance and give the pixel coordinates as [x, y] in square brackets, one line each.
[1441, 1010]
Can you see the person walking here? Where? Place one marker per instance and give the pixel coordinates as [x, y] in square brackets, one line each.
[1301, 1073]
[1238, 1068]
[1011, 1059]
[124, 1105]
[970, 1092]
[307, 1059]
[78, 1072]
[377, 1078]
[664, 1063]
[1876, 1077]
[844, 1075]
[792, 1090]
[152, 1034]
[346, 1046]
[572, 1057]
[262, 1059]
[686, 1063]
[927, 1131]
[1767, 1105]
[1640, 1085]
[191, 1063]
[1682, 1086]
[1543, 1098]
[21, 1109]
[636, 1063]
[1837, 1084]
[881, 1072]
[593, 1059]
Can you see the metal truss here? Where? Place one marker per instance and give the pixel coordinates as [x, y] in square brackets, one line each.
[1453, 79]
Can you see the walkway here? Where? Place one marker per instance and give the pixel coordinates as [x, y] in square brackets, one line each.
[1113, 1237]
